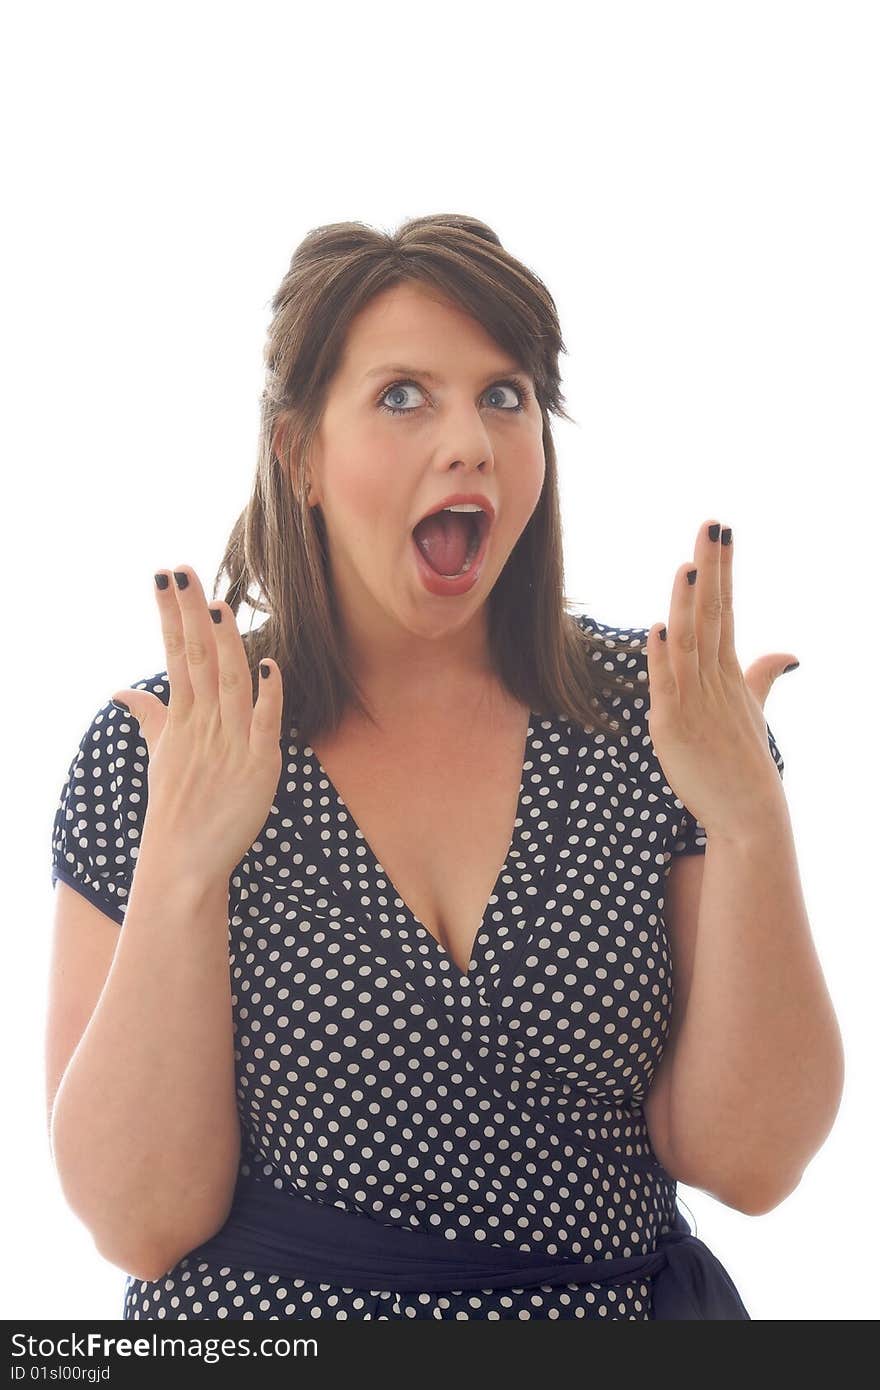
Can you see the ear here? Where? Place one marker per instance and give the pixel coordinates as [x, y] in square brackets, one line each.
[312, 465]
[279, 444]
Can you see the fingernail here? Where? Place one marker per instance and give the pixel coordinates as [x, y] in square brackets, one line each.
[663, 634]
[726, 535]
[120, 704]
[692, 576]
[216, 614]
[265, 670]
[161, 581]
[181, 578]
[791, 667]
[714, 531]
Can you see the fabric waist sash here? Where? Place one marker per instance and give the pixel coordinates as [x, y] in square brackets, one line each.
[271, 1231]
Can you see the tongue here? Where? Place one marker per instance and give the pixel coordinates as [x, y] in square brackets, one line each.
[443, 539]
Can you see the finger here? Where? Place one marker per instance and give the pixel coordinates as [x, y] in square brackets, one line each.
[265, 736]
[234, 680]
[144, 709]
[708, 595]
[171, 620]
[198, 635]
[662, 687]
[727, 646]
[682, 638]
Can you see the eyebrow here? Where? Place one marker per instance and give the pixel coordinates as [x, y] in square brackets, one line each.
[430, 376]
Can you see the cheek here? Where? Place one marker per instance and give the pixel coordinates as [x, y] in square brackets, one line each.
[538, 473]
[363, 490]
[527, 483]
[363, 494]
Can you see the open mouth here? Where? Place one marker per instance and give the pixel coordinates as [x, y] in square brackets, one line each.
[450, 540]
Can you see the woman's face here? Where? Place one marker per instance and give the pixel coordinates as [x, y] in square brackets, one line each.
[376, 474]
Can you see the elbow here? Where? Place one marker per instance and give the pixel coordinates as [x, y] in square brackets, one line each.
[158, 1261]
[761, 1195]
[753, 1195]
[150, 1262]
[144, 1264]
[762, 1192]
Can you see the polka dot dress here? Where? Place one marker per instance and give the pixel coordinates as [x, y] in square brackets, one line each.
[504, 1103]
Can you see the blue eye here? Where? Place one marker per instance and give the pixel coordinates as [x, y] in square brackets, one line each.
[514, 383]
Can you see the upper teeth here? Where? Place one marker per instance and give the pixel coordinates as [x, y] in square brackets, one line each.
[463, 507]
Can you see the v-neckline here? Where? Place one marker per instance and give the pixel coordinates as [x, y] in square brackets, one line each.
[444, 957]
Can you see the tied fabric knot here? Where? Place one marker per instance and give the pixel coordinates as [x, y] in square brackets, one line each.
[693, 1283]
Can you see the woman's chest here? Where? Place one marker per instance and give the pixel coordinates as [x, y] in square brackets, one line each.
[436, 806]
[570, 978]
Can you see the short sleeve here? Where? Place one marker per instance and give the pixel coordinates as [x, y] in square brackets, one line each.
[100, 812]
[690, 838]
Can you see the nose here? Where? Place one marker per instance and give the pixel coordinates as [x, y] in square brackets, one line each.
[472, 466]
[477, 456]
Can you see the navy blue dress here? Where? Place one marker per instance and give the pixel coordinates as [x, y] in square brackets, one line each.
[504, 1103]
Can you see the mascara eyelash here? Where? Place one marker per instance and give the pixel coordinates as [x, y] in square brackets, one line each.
[518, 386]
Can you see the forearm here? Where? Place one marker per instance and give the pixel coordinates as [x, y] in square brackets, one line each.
[145, 1133]
[758, 1069]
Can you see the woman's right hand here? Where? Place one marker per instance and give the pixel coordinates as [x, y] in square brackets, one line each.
[214, 755]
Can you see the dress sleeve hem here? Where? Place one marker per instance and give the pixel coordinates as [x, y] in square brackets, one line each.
[90, 893]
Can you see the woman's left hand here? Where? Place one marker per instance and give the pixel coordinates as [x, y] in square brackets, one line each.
[706, 717]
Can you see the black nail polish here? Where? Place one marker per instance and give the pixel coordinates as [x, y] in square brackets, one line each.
[792, 665]
[692, 576]
[726, 536]
[663, 634]
[161, 581]
[120, 704]
[265, 670]
[181, 578]
[216, 614]
[714, 531]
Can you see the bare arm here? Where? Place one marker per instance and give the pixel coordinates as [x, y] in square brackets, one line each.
[748, 1090]
[144, 1127]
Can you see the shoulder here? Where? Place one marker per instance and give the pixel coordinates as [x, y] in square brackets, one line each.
[157, 684]
[112, 736]
[110, 733]
[630, 644]
[621, 654]
[623, 651]
[102, 802]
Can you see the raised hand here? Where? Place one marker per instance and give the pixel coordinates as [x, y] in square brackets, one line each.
[706, 718]
[214, 755]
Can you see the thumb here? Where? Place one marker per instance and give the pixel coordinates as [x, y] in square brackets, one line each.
[149, 711]
[762, 674]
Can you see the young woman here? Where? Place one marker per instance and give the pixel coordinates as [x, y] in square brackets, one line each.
[406, 1017]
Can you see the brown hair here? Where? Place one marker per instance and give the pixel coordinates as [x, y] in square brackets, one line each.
[278, 546]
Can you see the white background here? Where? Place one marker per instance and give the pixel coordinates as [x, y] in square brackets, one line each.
[697, 185]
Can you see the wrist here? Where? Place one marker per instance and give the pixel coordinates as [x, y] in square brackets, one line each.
[171, 870]
[768, 816]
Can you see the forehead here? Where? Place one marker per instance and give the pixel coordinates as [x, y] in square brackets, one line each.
[411, 326]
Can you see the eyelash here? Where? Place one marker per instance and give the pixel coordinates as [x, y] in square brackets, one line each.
[515, 382]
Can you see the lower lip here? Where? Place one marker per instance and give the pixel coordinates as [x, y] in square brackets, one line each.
[448, 588]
